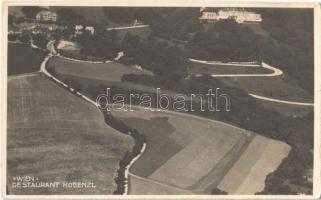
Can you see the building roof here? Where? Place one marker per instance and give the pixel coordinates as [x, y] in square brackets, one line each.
[46, 12]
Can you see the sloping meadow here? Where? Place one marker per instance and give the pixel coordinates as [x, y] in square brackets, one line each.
[57, 137]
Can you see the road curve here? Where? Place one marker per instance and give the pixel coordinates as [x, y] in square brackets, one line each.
[275, 71]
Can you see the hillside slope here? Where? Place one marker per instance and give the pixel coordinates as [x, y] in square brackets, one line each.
[55, 136]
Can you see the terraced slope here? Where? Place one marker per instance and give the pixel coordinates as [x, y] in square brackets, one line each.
[56, 136]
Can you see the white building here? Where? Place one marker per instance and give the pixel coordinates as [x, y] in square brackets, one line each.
[90, 29]
[240, 16]
[79, 29]
[209, 16]
[46, 15]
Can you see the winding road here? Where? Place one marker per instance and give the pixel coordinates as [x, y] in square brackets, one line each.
[127, 169]
[275, 72]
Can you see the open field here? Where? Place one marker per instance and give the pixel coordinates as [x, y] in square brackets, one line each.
[139, 185]
[273, 87]
[56, 136]
[23, 59]
[256, 28]
[110, 81]
[89, 82]
[287, 109]
[247, 175]
[105, 71]
[199, 68]
[279, 87]
[143, 32]
[196, 154]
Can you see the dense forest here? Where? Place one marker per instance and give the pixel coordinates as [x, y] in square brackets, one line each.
[167, 23]
[157, 56]
[103, 44]
[292, 49]
[225, 41]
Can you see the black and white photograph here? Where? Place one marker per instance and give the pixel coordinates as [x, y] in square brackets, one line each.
[201, 101]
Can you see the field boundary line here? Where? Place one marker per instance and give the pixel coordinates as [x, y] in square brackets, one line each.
[127, 27]
[158, 183]
[83, 61]
[240, 64]
[280, 101]
[22, 75]
[187, 115]
[276, 72]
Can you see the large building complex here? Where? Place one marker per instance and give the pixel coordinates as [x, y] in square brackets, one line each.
[240, 16]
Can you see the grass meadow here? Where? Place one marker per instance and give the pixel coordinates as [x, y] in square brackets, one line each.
[56, 136]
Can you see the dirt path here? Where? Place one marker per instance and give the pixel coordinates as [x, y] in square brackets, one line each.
[127, 27]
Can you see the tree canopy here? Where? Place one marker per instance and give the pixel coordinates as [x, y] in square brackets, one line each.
[226, 41]
[30, 11]
[68, 16]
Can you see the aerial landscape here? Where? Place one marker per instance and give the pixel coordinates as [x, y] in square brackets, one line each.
[160, 101]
